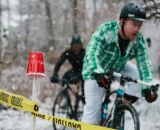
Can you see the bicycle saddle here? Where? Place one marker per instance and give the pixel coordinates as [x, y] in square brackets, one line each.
[130, 98]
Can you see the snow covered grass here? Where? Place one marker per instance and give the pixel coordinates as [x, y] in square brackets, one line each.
[19, 120]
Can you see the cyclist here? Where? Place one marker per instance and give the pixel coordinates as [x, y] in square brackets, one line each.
[110, 48]
[74, 55]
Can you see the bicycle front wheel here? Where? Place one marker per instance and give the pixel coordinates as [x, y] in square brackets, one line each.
[126, 118]
[62, 108]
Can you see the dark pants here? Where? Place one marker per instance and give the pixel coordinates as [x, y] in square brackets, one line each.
[72, 76]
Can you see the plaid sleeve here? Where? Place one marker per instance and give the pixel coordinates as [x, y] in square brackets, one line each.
[91, 60]
[143, 62]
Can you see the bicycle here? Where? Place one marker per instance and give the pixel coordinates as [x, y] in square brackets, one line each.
[68, 103]
[122, 109]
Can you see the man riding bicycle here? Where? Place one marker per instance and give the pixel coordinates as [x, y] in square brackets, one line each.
[74, 55]
[110, 48]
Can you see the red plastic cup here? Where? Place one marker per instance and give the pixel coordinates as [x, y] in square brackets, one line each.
[35, 65]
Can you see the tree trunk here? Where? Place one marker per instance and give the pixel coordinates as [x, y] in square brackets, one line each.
[75, 12]
[83, 15]
[27, 26]
[94, 13]
[9, 14]
[20, 12]
[78, 16]
[49, 24]
[65, 25]
[0, 31]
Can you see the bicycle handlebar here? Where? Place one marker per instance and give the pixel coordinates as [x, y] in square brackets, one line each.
[129, 79]
[154, 87]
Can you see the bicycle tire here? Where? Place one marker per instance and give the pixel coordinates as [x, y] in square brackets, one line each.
[118, 121]
[62, 108]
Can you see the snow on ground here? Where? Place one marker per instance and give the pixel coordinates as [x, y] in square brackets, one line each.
[18, 120]
[149, 115]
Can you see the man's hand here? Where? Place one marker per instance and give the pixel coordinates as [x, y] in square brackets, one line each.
[102, 80]
[55, 78]
[149, 94]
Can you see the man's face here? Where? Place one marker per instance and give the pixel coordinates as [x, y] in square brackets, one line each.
[76, 48]
[131, 28]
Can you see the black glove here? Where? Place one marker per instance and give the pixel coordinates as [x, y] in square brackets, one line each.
[55, 78]
[102, 80]
[149, 95]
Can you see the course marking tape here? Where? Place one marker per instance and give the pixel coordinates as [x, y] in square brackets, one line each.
[22, 103]
[70, 123]
[18, 101]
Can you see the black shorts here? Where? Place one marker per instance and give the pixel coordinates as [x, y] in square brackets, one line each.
[72, 76]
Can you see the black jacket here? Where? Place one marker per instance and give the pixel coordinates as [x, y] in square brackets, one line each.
[76, 61]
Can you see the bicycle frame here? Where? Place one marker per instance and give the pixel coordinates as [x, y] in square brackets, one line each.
[122, 103]
[118, 100]
[74, 109]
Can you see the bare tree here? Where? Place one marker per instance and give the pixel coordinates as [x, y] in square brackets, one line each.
[27, 25]
[83, 15]
[0, 12]
[152, 8]
[94, 13]
[9, 14]
[0, 29]
[65, 8]
[78, 15]
[49, 23]
[75, 12]
[20, 12]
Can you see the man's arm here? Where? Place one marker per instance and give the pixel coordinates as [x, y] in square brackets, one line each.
[93, 50]
[146, 72]
[60, 61]
[143, 61]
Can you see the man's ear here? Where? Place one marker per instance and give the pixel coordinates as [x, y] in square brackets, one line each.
[121, 21]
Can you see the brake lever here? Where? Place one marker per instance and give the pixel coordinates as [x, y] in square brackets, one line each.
[155, 88]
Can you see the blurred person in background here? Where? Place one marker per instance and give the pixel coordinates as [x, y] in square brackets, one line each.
[74, 55]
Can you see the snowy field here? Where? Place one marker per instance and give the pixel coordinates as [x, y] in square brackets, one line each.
[18, 120]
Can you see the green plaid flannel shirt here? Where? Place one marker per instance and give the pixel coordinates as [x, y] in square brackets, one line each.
[103, 53]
